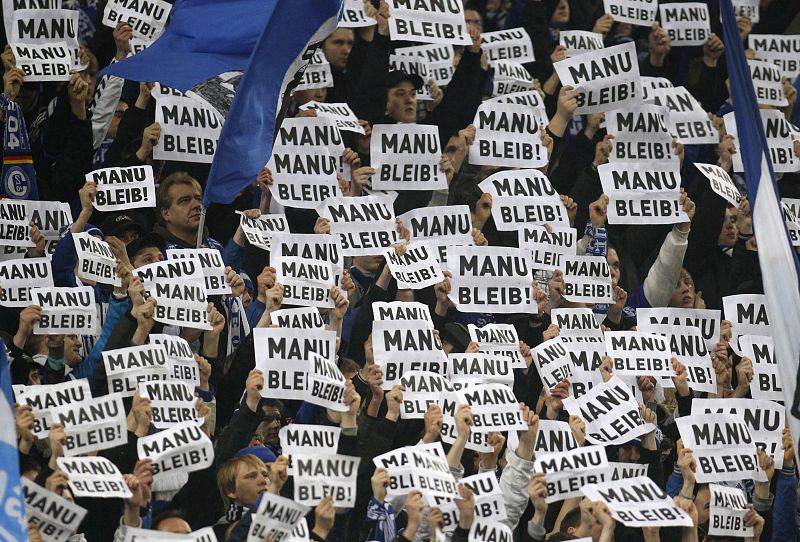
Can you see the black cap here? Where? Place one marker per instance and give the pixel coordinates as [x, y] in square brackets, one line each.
[119, 223]
[398, 76]
[458, 335]
[145, 241]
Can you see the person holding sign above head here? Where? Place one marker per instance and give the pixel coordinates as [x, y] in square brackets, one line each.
[479, 269]
[388, 97]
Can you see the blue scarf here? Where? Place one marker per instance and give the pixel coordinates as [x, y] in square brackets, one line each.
[382, 514]
[19, 176]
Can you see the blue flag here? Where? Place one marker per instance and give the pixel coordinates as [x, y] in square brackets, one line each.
[777, 258]
[13, 527]
[204, 38]
[292, 33]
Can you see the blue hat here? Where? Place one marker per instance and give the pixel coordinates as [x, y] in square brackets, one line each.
[261, 452]
[91, 229]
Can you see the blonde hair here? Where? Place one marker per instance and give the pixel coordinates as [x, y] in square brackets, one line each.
[226, 475]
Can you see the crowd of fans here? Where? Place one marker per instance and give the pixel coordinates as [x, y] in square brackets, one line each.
[86, 123]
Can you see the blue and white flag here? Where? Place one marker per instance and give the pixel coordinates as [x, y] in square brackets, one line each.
[778, 261]
[204, 38]
[294, 30]
[13, 527]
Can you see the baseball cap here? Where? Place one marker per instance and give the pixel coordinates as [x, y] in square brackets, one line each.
[398, 76]
[119, 223]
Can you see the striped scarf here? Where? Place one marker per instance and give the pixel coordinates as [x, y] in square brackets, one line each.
[382, 514]
[19, 176]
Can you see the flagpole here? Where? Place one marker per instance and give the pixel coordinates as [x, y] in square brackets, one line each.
[202, 226]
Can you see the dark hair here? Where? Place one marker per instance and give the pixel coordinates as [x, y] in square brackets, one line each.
[347, 365]
[571, 519]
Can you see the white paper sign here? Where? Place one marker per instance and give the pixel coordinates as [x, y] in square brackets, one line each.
[779, 49]
[510, 44]
[17, 276]
[507, 135]
[721, 182]
[317, 73]
[93, 425]
[436, 223]
[686, 23]
[44, 61]
[123, 188]
[548, 247]
[317, 476]
[635, 12]
[65, 311]
[183, 448]
[300, 438]
[299, 318]
[96, 260]
[428, 21]
[365, 225]
[577, 42]
[439, 60]
[567, 472]
[509, 291]
[688, 120]
[728, 506]
[524, 197]
[304, 162]
[605, 79]
[638, 502]
[747, 8]
[640, 133]
[642, 193]
[306, 283]
[189, 131]
[764, 419]
[340, 113]
[416, 268]
[406, 346]
[768, 83]
[780, 139]
[722, 446]
[353, 15]
[767, 383]
[500, 340]
[552, 362]
[635, 353]
[587, 279]
[259, 231]
[406, 157]
[748, 316]
[43, 398]
[146, 18]
[173, 403]
[45, 26]
[15, 229]
[94, 477]
[610, 412]
[283, 356]
[56, 517]
[126, 367]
